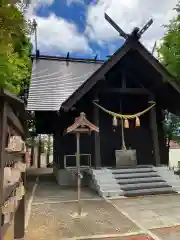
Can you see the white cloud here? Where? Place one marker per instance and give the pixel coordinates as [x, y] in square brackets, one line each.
[129, 14]
[36, 4]
[55, 34]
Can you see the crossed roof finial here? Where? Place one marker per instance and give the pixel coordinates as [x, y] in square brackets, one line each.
[136, 32]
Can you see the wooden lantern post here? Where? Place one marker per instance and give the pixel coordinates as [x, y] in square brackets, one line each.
[80, 126]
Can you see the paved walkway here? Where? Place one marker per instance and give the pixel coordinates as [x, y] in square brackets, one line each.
[150, 217]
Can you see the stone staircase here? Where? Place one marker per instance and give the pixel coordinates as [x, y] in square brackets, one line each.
[128, 182]
[104, 183]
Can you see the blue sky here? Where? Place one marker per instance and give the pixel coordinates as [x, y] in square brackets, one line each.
[78, 26]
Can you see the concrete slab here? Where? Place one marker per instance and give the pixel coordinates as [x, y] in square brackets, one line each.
[152, 211]
[54, 221]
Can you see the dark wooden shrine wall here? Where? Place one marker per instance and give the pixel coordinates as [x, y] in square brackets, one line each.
[135, 138]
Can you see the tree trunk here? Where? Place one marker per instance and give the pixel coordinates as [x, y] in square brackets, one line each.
[32, 163]
[39, 153]
[48, 149]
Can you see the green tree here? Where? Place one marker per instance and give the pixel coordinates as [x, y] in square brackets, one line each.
[169, 50]
[171, 128]
[169, 55]
[15, 48]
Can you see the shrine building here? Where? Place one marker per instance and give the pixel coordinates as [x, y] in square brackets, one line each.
[127, 83]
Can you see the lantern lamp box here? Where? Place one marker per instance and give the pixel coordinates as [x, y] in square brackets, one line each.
[81, 125]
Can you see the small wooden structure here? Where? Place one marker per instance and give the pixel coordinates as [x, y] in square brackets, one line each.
[12, 196]
[80, 126]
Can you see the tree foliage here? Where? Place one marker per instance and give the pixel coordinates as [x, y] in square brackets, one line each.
[169, 55]
[171, 128]
[169, 50]
[15, 48]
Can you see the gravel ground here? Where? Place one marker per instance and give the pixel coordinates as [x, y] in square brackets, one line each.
[54, 221]
[51, 191]
[52, 208]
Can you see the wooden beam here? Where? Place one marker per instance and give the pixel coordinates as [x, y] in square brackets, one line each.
[141, 91]
[12, 118]
[155, 138]
[19, 218]
[97, 152]
[3, 131]
[11, 98]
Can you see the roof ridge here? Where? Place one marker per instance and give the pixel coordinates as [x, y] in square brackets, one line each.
[70, 59]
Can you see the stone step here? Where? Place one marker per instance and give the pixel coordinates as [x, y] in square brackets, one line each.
[127, 182]
[140, 180]
[150, 191]
[169, 176]
[133, 167]
[109, 188]
[135, 175]
[135, 170]
[111, 193]
[144, 186]
[105, 181]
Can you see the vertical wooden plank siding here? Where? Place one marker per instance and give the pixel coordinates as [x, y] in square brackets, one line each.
[3, 130]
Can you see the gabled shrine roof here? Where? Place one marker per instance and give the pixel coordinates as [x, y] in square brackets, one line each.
[58, 83]
[55, 79]
[136, 60]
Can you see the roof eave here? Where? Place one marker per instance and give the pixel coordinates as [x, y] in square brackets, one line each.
[96, 76]
[100, 73]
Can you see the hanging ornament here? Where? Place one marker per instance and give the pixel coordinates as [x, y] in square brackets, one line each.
[137, 122]
[20, 166]
[123, 147]
[126, 123]
[18, 193]
[22, 189]
[7, 217]
[115, 122]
